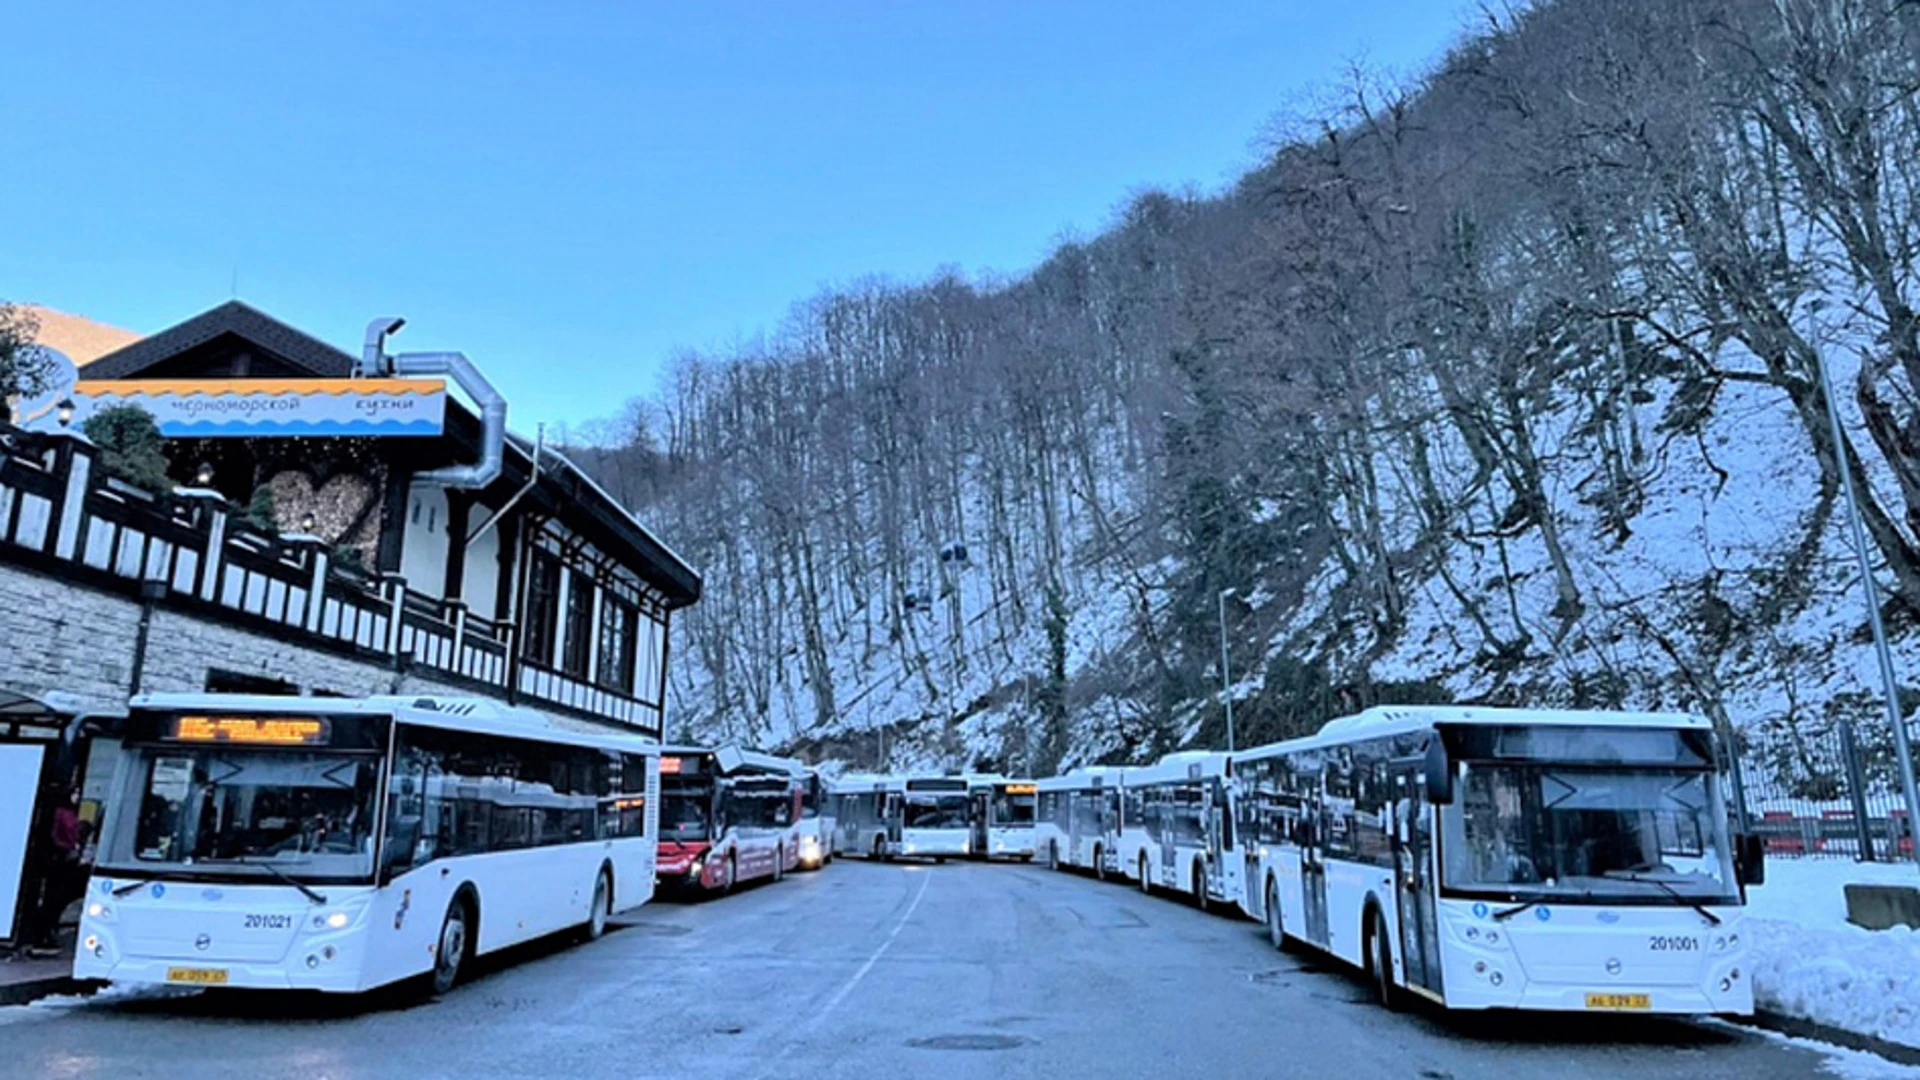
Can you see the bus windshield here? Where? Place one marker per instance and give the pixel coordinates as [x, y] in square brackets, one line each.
[1647, 835]
[311, 813]
[1011, 809]
[686, 815]
[936, 811]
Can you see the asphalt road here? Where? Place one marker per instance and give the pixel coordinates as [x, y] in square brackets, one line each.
[882, 970]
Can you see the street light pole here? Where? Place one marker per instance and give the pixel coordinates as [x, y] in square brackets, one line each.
[1226, 682]
[1870, 590]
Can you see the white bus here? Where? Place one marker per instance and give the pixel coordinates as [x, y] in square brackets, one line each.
[1077, 821]
[1508, 858]
[340, 845]
[1001, 816]
[815, 839]
[933, 818]
[1177, 827]
[867, 815]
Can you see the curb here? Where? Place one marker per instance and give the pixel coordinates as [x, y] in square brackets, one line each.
[1899, 1053]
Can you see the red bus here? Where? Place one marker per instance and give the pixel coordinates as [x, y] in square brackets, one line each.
[726, 816]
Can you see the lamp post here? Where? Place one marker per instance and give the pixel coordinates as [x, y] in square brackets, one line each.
[1226, 681]
[1870, 591]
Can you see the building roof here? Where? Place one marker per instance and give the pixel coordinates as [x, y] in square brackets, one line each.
[305, 353]
[82, 340]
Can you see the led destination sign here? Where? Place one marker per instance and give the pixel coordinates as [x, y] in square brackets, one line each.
[256, 731]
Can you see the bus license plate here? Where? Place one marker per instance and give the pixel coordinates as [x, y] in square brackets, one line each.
[197, 976]
[1619, 1001]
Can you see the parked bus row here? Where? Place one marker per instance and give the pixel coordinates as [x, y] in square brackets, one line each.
[1474, 858]
[934, 817]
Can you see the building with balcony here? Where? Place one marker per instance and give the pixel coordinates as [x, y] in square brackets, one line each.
[438, 555]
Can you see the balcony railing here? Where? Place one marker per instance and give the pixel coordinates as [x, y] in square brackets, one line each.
[195, 550]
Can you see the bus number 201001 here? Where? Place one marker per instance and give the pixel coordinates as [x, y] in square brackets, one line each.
[1662, 943]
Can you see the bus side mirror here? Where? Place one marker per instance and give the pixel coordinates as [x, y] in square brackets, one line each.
[1750, 859]
[1438, 774]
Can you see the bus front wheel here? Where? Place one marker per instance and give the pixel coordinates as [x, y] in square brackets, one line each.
[1200, 886]
[1146, 883]
[1099, 863]
[1276, 924]
[1380, 963]
[1053, 855]
[450, 955]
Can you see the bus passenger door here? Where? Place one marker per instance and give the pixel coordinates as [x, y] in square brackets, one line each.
[896, 813]
[979, 822]
[1313, 868]
[1413, 869]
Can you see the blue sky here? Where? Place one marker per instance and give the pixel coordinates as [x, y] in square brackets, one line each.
[572, 192]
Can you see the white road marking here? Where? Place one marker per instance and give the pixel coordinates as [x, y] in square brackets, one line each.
[841, 994]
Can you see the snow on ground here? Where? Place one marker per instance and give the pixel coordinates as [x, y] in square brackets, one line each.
[1809, 962]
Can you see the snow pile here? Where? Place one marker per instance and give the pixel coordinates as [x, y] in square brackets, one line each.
[1810, 963]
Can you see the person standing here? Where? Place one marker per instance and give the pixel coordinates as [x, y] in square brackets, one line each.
[65, 878]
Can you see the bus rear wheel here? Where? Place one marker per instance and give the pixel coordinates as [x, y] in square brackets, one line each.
[733, 875]
[1099, 863]
[602, 907]
[779, 863]
[1146, 883]
[1200, 886]
[450, 955]
[1053, 855]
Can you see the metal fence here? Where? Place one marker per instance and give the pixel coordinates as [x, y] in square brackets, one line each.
[1825, 789]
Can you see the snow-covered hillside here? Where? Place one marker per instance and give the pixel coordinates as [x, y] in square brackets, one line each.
[1502, 385]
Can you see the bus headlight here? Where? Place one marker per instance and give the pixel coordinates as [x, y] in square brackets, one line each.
[694, 870]
[337, 920]
[98, 910]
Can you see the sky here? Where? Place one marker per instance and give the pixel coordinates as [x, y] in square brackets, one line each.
[573, 193]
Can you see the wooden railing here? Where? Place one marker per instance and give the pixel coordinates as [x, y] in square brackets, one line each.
[195, 549]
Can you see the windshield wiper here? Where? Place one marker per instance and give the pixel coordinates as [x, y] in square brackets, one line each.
[1508, 913]
[128, 888]
[316, 897]
[1628, 875]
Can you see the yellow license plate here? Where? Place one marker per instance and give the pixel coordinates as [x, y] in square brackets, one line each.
[197, 976]
[1619, 1001]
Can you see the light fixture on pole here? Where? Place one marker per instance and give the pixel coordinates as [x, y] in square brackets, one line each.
[1870, 588]
[1226, 681]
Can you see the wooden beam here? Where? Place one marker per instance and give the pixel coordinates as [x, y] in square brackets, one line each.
[459, 506]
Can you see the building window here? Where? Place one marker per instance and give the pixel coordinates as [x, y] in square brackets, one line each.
[543, 607]
[618, 643]
[220, 681]
[579, 642]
